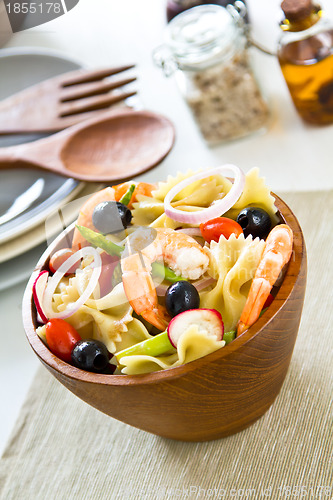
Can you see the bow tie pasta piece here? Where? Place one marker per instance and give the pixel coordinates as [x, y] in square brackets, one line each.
[89, 320]
[139, 363]
[146, 211]
[200, 194]
[192, 345]
[233, 263]
[163, 187]
[136, 332]
[256, 194]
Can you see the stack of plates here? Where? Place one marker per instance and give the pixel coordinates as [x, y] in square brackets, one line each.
[34, 205]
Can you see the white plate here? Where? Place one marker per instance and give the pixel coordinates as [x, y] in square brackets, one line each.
[45, 231]
[18, 257]
[19, 69]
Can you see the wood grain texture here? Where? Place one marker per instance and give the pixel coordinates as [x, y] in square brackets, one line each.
[209, 398]
[41, 109]
[117, 145]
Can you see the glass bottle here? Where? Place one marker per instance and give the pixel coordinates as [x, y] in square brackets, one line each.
[305, 53]
[206, 49]
[175, 7]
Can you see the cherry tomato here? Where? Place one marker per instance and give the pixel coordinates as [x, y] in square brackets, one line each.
[61, 337]
[214, 228]
[59, 258]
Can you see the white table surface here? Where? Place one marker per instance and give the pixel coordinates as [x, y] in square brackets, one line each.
[291, 155]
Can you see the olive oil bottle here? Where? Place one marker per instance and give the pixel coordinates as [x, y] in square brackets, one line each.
[305, 54]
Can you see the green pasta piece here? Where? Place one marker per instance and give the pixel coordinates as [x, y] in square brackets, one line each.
[126, 198]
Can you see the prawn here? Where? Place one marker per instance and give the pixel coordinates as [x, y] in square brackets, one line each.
[276, 254]
[182, 253]
[85, 215]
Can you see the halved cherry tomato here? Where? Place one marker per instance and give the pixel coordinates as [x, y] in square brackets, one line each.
[214, 228]
[61, 337]
[143, 188]
[59, 258]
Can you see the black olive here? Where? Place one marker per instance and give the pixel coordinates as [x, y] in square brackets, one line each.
[90, 355]
[181, 296]
[255, 221]
[111, 217]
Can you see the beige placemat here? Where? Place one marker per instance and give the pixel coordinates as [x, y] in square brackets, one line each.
[63, 449]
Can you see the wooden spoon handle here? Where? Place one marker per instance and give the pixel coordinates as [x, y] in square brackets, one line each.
[39, 154]
[10, 156]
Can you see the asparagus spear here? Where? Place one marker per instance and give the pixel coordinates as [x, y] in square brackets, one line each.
[159, 345]
[155, 346]
[229, 336]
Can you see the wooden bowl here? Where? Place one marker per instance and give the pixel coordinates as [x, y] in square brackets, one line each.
[209, 398]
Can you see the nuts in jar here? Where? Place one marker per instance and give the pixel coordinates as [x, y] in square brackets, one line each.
[207, 51]
[226, 101]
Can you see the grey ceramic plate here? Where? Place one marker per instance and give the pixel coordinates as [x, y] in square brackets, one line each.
[20, 68]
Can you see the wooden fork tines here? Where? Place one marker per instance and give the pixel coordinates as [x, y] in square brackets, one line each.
[65, 100]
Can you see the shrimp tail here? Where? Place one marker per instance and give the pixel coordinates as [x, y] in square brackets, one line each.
[157, 316]
[276, 255]
[181, 252]
[140, 291]
[259, 293]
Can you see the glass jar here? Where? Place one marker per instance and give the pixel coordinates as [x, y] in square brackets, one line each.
[206, 48]
[305, 53]
[175, 7]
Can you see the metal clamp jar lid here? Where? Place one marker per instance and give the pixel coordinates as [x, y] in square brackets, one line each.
[206, 48]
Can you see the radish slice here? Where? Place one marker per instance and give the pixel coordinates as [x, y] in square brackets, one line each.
[209, 321]
[63, 269]
[216, 209]
[38, 290]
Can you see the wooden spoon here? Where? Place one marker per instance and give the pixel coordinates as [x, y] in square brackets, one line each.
[115, 146]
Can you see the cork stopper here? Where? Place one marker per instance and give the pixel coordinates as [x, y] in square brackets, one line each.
[297, 10]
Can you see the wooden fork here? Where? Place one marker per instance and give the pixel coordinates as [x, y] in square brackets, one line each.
[63, 101]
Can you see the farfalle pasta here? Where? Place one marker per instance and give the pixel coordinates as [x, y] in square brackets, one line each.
[150, 210]
[193, 345]
[233, 263]
[179, 282]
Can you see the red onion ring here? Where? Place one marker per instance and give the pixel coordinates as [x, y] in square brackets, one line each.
[190, 231]
[58, 275]
[215, 210]
[204, 283]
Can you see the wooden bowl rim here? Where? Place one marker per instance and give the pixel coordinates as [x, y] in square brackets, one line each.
[74, 373]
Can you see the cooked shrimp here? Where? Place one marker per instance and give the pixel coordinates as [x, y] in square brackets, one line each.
[179, 251]
[276, 254]
[85, 215]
